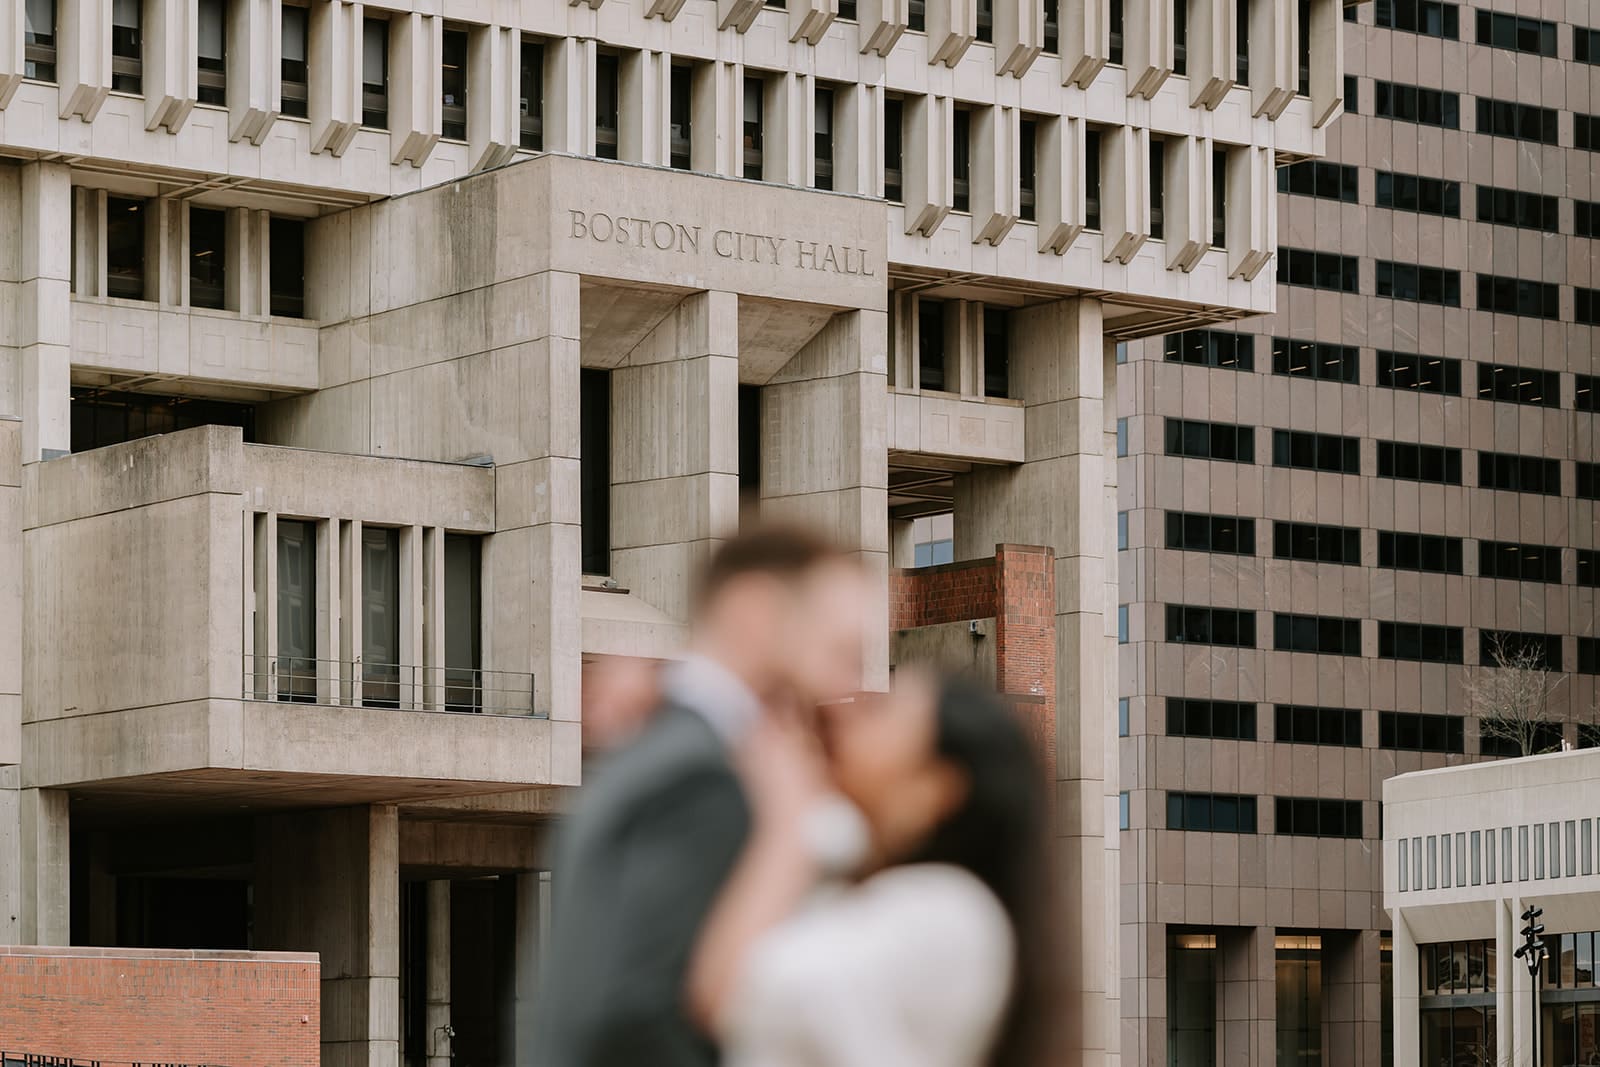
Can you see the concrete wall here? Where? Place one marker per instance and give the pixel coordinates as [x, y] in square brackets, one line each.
[950, 646]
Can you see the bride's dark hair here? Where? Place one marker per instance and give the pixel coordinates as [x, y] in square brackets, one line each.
[1001, 834]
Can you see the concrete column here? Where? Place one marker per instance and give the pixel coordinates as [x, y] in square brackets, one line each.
[645, 91]
[329, 882]
[1186, 183]
[952, 27]
[569, 96]
[675, 453]
[1274, 61]
[1327, 60]
[995, 194]
[416, 106]
[787, 142]
[1124, 191]
[255, 73]
[1147, 44]
[88, 242]
[902, 544]
[1018, 35]
[1506, 966]
[494, 58]
[437, 1016]
[1210, 51]
[809, 19]
[1513, 1035]
[717, 115]
[1247, 1006]
[39, 389]
[83, 56]
[827, 410]
[1060, 204]
[531, 565]
[432, 659]
[858, 139]
[333, 65]
[927, 182]
[1251, 208]
[1349, 969]
[44, 866]
[10, 630]
[11, 856]
[1061, 498]
[171, 80]
[881, 22]
[330, 611]
[737, 15]
[412, 617]
[166, 252]
[532, 929]
[247, 278]
[1084, 41]
[11, 68]
[1407, 1023]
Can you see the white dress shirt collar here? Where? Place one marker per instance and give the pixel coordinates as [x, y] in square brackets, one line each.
[714, 693]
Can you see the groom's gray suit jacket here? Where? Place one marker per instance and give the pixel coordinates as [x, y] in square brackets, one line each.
[637, 867]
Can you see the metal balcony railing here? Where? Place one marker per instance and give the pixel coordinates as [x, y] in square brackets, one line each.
[406, 687]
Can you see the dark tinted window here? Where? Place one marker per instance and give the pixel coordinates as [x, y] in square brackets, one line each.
[594, 470]
[1424, 643]
[1316, 359]
[1195, 532]
[1545, 737]
[1513, 296]
[1316, 451]
[1585, 45]
[1415, 732]
[1519, 385]
[1588, 572]
[1588, 654]
[1331, 181]
[1513, 648]
[1214, 812]
[1518, 562]
[1419, 552]
[1316, 544]
[1426, 285]
[1409, 192]
[1313, 817]
[101, 418]
[1327, 635]
[1407, 103]
[208, 257]
[1419, 463]
[125, 248]
[1223, 719]
[1586, 218]
[1588, 481]
[1519, 34]
[1586, 306]
[1523, 122]
[287, 267]
[1212, 348]
[1302, 724]
[1510, 207]
[1318, 270]
[1519, 474]
[1419, 16]
[891, 148]
[1586, 392]
[1586, 132]
[1210, 440]
[1193, 625]
[1427, 374]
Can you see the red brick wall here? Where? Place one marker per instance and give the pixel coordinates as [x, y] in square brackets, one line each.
[237, 1009]
[1016, 588]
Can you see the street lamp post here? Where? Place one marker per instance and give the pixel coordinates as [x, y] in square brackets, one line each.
[1532, 953]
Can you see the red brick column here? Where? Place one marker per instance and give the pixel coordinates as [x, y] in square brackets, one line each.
[1025, 637]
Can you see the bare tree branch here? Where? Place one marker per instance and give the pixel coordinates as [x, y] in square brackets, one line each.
[1511, 695]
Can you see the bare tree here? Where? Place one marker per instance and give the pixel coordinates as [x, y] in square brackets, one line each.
[1511, 695]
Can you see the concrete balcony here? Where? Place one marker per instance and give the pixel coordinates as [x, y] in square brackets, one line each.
[968, 428]
[156, 569]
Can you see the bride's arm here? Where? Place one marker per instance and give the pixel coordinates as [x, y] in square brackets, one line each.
[771, 878]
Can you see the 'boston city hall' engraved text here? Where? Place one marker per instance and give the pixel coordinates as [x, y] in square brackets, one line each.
[663, 236]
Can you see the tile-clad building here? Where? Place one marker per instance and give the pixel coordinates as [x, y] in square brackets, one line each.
[332, 447]
[1327, 515]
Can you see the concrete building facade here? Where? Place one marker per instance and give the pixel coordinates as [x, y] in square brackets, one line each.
[1331, 516]
[336, 446]
[1466, 850]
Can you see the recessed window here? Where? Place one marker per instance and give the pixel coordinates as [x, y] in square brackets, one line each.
[1226, 720]
[1519, 474]
[375, 73]
[1302, 39]
[297, 611]
[463, 623]
[1052, 26]
[1585, 45]
[1519, 385]
[1410, 192]
[1091, 179]
[1427, 17]
[961, 160]
[125, 221]
[453, 82]
[1421, 643]
[1520, 122]
[847, 10]
[1241, 41]
[1586, 132]
[1303, 450]
[1408, 103]
[287, 250]
[1510, 207]
[594, 469]
[1158, 189]
[682, 106]
[1196, 625]
[985, 21]
[1503, 738]
[127, 56]
[39, 40]
[1534, 36]
[1588, 481]
[207, 257]
[1210, 440]
[1425, 374]
[212, 61]
[1515, 649]
[1586, 218]
[1316, 359]
[1114, 54]
[101, 418]
[1589, 655]
[1515, 296]
[891, 149]
[1319, 270]
[1122, 438]
[1211, 348]
[1352, 84]
[1415, 732]
[1313, 177]
[930, 344]
[1028, 169]
[530, 102]
[822, 138]
[1180, 37]
[293, 63]
[1300, 724]
[996, 352]
[1419, 552]
[1219, 199]
[1586, 392]
[1325, 635]
[607, 95]
[1419, 463]
[380, 617]
[754, 127]
[1225, 813]
[1586, 306]
[916, 16]
[1122, 624]
[1199, 532]
[1315, 817]
[1313, 543]
[1519, 562]
[1425, 285]
[1122, 717]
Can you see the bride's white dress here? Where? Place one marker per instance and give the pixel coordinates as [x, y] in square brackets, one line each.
[911, 968]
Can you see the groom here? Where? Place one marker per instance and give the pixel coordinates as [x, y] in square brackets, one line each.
[780, 621]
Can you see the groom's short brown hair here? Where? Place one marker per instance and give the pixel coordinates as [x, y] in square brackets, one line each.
[781, 550]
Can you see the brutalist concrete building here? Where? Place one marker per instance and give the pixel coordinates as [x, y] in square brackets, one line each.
[1333, 517]
[369, 369]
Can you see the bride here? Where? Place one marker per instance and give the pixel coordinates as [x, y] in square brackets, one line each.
[891, 908]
